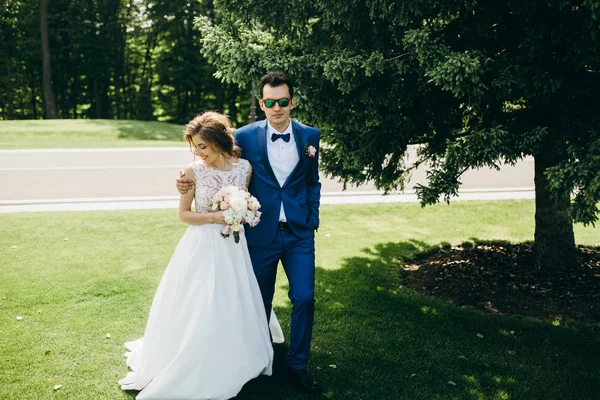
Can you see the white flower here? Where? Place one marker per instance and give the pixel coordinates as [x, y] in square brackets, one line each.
[239, 205]
[249, 216]
[254, 222]
[228, 216]
[238, 195]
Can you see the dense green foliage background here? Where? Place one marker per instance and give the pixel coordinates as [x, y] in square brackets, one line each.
[475, 84]
[123, 59]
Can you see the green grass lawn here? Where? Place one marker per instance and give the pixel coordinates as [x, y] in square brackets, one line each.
[75, 277]
[88, 133]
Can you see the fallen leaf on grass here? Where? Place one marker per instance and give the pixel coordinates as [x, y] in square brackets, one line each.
[56, 387]
[19, 318]
[108, 335]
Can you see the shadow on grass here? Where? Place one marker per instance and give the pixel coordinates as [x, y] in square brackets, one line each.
[376, 339]
[145, 130]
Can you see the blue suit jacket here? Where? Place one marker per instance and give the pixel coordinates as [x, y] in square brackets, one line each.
[300, 194]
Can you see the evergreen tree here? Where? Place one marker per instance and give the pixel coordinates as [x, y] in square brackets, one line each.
[476, 84]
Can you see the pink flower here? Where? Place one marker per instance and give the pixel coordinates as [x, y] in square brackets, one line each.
[224, 205]
[310, 150]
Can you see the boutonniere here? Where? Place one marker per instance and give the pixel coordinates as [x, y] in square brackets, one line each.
[310, 150]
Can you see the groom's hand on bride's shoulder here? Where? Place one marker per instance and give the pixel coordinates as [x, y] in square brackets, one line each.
[184, 184]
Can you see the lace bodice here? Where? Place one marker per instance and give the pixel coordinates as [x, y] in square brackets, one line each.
[209, 181]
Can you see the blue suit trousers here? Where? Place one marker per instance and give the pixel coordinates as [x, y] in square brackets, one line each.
[297, 256]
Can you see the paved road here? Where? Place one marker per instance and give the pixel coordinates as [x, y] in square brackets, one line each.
[34, 180]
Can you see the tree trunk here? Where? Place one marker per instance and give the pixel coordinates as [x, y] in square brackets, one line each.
[233, 110]
[554, 238]
[101, 110]
[144, 109]
[184, 114]
[33, 101]
[32, 94]
[220, 98]
[49, 101]
[10, 106]
[121, 109]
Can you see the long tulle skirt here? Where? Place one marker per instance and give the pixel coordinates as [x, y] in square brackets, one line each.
[207, 332]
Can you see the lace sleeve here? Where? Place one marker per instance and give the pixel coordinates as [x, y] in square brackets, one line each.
[197, 168]
[244, 168]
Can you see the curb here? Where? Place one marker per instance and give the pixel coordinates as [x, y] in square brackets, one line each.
[161, 202]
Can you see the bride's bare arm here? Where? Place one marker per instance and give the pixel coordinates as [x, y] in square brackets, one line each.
[185, 183]
[187, 216]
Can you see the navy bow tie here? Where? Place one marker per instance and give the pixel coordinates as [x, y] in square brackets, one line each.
[284, 136]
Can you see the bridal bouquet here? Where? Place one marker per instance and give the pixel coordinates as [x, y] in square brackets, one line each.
[239, 207]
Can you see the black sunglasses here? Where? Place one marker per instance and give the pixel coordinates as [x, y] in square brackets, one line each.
[283, 102]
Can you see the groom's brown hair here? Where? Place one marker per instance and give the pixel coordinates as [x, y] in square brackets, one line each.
[276, 78]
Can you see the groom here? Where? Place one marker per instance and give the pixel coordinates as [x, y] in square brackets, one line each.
[285, 180]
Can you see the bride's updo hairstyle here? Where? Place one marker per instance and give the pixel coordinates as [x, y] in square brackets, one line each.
[213, 128]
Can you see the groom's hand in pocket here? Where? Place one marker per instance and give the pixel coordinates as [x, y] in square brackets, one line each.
[313, 222]
[184, 184]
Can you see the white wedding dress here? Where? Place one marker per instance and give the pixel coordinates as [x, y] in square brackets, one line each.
[207, 332]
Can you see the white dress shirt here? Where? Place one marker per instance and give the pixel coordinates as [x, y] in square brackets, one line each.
[283, 157]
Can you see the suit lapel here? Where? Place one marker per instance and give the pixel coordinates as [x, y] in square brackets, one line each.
[298, 139]
[262, 149]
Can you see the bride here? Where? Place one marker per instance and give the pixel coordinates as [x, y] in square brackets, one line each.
[207, 332]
